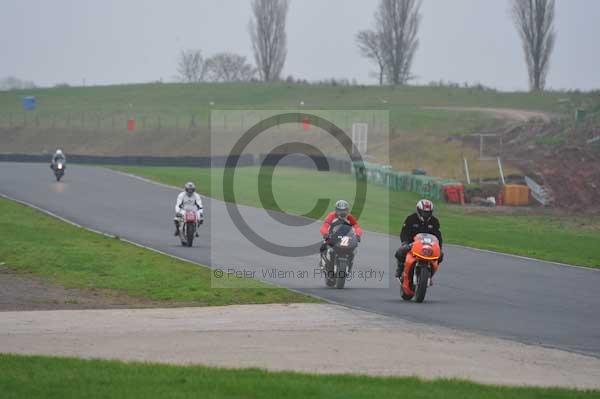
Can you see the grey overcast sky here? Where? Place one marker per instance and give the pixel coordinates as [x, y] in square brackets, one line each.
[123, 41]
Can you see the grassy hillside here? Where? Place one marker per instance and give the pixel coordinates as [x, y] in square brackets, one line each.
[194, 98]
[173, 119]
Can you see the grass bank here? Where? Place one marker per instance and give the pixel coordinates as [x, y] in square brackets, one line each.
[76, 258]
[47, 377]
[541, 235]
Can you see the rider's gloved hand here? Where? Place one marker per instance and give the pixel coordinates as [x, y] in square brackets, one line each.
[405, 246]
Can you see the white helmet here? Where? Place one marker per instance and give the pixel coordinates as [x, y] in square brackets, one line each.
[190, 188]
[342, 208]
[424, 210]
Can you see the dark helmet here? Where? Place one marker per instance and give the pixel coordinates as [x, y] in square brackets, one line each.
[190, 188]
[425, 210]
[342, 208]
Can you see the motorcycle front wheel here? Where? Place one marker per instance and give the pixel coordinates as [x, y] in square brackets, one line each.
[340, 274]
[190, 231]
[423, 280]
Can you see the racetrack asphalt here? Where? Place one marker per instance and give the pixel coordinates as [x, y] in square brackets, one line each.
[526, 300]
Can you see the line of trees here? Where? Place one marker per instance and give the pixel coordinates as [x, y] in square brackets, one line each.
[13, 83]
[391, 44]
[267, 29]
[222, 67]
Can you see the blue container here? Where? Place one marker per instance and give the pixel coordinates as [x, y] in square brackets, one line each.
[29, 103]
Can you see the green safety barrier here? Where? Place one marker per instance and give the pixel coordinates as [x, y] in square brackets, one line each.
[383, 175]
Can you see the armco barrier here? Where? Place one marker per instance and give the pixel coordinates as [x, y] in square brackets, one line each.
[425, 186]
[383, 175]
[293, 160]
[202, 162]
[303, 161]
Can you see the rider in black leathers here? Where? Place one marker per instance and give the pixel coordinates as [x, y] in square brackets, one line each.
[422, 221]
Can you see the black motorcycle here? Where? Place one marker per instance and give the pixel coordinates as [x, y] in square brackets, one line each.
[338, 258]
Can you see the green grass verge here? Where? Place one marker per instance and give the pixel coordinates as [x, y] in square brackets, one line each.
[542, 236]
[47, 377]
[32, 242]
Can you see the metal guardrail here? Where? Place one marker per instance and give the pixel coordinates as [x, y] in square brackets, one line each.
[538, 192]
[202, 162]
[291, 160]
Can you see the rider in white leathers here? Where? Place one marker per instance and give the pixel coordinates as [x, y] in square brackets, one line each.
[58, 156]
[188, 198]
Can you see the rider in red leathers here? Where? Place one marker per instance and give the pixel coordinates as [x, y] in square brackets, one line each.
[341, 214]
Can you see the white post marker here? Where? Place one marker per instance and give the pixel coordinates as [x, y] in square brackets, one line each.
[467, 171]
[501, 171]
[360, 134]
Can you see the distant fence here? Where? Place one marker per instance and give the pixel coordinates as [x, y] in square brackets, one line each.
[198, 119]
[99, 120]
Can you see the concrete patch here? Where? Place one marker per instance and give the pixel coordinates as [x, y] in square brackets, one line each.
[302, 337]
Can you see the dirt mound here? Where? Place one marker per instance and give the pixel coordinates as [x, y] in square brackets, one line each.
[572, 177]
[559, 156]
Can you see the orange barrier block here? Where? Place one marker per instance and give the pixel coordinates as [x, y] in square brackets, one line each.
[515, 195]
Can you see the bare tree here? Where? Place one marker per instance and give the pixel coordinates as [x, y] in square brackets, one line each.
[399, 22]
[229, 67]
[191, 66]
[268, 36]
[369, 45]
[534, 19]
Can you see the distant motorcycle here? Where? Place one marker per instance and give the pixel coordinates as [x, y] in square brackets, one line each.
[421, 263]
[188, 220]
[59, 170]
[339, 257]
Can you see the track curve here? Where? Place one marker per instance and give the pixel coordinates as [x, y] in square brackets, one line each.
[526, 300]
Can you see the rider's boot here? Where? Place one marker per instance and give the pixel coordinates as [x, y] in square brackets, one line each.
[399, 270]
[176, 227]
[324, 257]
[200, 221]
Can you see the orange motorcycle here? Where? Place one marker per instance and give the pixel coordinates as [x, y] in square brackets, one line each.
[421, 263]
